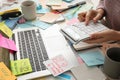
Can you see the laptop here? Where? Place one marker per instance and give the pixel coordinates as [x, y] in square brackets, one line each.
[39, 45]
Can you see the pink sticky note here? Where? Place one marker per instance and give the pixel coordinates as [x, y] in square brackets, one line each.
[7, 43]
[57, 65]
[72, 21]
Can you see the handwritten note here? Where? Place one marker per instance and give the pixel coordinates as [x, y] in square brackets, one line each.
[7, 43]
[5, 73]
[7, 31]
[21, 66]
[57, 65]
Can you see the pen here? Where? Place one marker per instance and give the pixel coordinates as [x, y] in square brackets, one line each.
[76, 9]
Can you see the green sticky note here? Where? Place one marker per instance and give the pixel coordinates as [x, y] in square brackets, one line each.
[22, 66]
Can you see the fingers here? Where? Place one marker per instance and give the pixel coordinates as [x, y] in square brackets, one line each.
[97, 17]
[88, 17]
[81, 16]
[99, 40]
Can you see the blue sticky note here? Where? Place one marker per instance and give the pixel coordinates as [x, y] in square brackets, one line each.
[40, 24]
[92, 57]
[35, 23]
[43, 10]
[11, 23]
[66, 76]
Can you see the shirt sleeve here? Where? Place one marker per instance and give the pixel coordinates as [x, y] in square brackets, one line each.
[101, 4]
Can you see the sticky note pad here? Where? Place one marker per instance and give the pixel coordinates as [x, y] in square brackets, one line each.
[7, 31]
[92, 57]
[21, 66]
[5, 73]
[7, 43]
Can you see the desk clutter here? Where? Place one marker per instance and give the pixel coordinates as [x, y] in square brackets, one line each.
[55, 12]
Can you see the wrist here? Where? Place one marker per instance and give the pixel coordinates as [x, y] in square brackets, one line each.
[118, 33]
[101, 12]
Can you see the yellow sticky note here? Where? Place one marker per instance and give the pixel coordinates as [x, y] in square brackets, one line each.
[7, 31]
[5, 73]
[21, 66]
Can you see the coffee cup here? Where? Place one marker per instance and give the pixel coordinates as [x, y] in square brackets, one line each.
[111, 65]
[29, 10]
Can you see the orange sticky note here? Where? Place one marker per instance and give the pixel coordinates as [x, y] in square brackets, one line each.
[5, 73]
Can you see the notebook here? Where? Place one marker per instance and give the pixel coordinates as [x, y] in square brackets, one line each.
[40, 45]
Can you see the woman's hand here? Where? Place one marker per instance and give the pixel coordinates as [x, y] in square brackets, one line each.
[104, 36]
[94, 15]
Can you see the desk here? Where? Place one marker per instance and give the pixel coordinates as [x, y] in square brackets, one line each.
[4, 57]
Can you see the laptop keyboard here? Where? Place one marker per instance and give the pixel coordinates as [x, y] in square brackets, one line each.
[31, 46]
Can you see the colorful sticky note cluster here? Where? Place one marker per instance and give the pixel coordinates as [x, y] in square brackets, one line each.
[5, 73]
[21, 66]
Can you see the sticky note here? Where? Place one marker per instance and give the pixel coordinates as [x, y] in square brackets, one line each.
[54, 2]
[7, 31]
[65, 76]
[49, 17]
[5, 73]
[21, 66]
[92, 57]
[7, 43]
[57, 65]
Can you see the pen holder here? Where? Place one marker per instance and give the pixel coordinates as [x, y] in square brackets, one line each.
[29, 10]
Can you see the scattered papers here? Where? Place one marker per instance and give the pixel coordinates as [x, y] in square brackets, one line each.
[7, 43]
[49, 17]
[5, 73]
[57, 65]
[21, 66]
[92, 57]
[7, 31]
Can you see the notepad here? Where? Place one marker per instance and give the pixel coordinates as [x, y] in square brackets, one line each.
[92, 57]
[7, 43]
[5, 73]
[11, 23]
[5, 30]
[21, 66]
